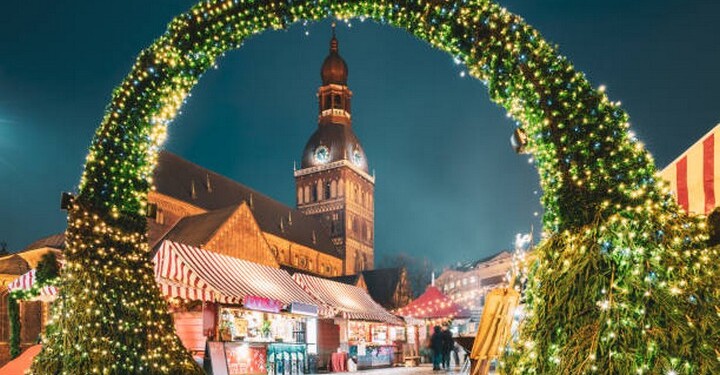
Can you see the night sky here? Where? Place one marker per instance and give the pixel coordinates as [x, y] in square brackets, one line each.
[449, 187]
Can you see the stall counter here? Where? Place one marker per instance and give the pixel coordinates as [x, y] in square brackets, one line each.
[373, 355]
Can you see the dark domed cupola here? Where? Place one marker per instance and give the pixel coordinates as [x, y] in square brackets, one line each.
[334, 139]
[334, 69]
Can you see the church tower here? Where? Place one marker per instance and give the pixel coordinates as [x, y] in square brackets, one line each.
[334, 183]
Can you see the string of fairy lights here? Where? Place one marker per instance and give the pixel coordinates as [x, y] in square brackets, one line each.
[623, 283]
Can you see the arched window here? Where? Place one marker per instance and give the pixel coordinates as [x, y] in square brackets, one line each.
[315, 194]
[360, 262]
[337, 101]
[326, 190]
[333, 189]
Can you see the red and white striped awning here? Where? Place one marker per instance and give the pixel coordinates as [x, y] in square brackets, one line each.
[222, 278]
[694, 176]
[26, 282]
[349, 301]
[173, 289]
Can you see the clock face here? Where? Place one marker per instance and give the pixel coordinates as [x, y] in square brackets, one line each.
[322, 154]
[357, 157]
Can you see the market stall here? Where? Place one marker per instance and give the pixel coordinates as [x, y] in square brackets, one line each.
[253, 319]
[27, 283]
[367, 330]
[693, 176]
[430, 309]
[434, 307]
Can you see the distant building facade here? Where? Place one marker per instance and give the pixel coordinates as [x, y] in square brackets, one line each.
[201, 208]
[467, 284]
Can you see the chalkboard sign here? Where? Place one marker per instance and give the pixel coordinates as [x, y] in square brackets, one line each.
[218, 362]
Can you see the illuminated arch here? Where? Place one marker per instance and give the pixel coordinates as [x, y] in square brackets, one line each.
[600, 194]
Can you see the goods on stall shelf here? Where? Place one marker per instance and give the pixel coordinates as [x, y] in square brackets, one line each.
[237, 324]
[362, 322]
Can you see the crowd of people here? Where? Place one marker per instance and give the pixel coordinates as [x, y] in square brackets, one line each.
[442, 345]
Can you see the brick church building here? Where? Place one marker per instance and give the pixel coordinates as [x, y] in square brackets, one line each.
[330, 233]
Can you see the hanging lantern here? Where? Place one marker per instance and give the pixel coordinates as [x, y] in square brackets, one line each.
[519, 141]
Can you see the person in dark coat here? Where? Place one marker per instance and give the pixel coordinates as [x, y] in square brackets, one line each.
[436, 345]
[448, 343]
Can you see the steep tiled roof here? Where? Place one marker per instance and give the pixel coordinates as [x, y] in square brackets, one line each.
[347, 279]
[382, 284]
[13, 265]
[472, 265]
[191, 183]
[56, 241]
[197, 230]
[494, 280]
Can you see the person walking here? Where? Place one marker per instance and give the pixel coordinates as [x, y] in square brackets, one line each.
[448, 344]
[437, 347]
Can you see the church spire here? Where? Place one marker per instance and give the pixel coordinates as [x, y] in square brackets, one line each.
[333, 41]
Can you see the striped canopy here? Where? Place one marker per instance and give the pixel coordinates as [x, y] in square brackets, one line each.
[192, 273]
[27, 280]
[348, 301]
[694, 176]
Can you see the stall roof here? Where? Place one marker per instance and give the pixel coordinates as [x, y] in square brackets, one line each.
[229, 279]
[433, 304]
[27, 281]
[349, 301]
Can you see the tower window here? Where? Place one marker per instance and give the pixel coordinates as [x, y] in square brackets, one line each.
[337, 101]
[326, 191]
[315, 193]
[327, 102]
[355, 225]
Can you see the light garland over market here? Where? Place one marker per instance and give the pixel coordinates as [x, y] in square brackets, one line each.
[624, 284]
[433, 306]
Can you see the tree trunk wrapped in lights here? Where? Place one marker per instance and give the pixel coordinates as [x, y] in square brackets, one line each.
[623, 285]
